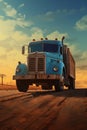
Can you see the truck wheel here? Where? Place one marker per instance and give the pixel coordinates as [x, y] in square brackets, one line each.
[59, 86]
[72, 83]
[22, 85]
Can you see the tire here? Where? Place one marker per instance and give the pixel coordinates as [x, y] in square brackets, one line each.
[22, 85]
[72, 83]
[59, 86]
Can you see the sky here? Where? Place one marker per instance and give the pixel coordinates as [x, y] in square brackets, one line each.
[24, 20]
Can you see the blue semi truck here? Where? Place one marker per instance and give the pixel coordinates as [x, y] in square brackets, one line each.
[49, 63]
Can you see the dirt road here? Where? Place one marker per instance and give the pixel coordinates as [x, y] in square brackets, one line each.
[43, 110]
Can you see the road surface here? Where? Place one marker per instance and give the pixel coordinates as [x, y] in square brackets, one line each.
[43, 110]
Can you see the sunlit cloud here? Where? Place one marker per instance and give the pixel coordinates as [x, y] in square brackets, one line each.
[11, 38]
[17, 17]
[6, 28]
[82, 24]
[57, 34]
[36, 33]
[81, 78]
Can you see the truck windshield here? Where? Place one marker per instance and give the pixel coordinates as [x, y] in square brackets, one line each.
[44, 47]
[36, 47]
[50, 47]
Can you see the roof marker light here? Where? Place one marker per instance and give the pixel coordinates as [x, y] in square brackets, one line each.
[56, 39]
[33, 39]
[46, 38]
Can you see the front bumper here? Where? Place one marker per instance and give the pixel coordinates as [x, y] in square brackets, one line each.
[37, 76]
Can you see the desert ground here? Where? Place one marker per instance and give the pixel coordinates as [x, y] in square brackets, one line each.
[42, 110]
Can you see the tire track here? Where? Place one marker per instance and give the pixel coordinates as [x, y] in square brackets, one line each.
[43, 110]
[46, 114]
[15, 96]
[62, 101]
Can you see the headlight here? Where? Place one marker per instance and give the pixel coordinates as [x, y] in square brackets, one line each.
[55, 68]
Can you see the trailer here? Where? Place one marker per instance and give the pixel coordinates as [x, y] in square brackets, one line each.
[69, 63]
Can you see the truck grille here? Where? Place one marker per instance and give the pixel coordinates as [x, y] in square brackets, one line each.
[32, 63]
[40, 64]
[36, 63]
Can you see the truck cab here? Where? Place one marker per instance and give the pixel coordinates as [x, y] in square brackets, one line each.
[45, 57]
[45, 65]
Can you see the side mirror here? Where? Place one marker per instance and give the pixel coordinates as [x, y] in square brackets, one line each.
[23, 50]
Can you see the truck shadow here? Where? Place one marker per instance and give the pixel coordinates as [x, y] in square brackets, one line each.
[66, 93]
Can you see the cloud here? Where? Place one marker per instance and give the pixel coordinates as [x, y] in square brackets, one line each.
[21, 5]
[8, 28]
[9, 10]
[20, 21]
[12, 15]
[70, 11]
[12, 37]
[82, 67]
[57, 34]
[36, 33]
[50, 16]
[3, 56]
[81, 60]
[81, 78]
[79, 56]
[82, 24]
